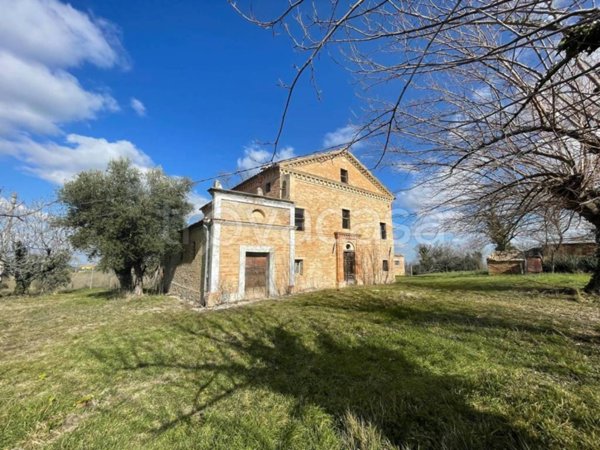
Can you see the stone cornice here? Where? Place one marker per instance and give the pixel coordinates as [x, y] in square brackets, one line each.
[258, 199]
[321, 157]
[314, 179]
[253, 224]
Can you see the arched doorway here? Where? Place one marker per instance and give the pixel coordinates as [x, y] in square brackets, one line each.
[349, 264]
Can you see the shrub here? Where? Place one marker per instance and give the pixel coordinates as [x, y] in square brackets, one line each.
[570, 264]
[445, 258]
[49, 271]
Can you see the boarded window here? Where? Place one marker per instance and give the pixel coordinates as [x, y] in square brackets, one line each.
[386, 265]
[383, 230]
[343, 175]
[299, 219]
[299, 266]
[346, 219]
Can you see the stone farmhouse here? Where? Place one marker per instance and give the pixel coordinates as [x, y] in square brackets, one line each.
[312, 222]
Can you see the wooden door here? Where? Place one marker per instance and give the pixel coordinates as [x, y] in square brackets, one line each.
[349, 267]
[256, 275]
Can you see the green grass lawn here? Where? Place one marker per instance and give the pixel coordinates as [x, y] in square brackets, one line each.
[460, 361]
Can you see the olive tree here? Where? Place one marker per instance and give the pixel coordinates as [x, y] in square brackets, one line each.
[128, 218]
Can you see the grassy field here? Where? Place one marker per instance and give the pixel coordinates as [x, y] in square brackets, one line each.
[462, 361]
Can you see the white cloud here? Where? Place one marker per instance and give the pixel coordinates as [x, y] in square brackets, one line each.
[197, 202]
[256, 156]
[58, 163]
[34, 98]
[39, 41]
[423, 208]
[342, 137]
[138, 107]
[56, 34]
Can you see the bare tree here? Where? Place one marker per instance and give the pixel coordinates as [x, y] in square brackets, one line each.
[9, 211]
[495, 219]
[497, 97]
[32, 247]
[387, 40]
[552, 230]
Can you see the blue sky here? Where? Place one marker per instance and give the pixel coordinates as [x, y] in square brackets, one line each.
[187, 85]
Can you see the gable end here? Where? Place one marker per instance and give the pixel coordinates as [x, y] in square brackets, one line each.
[322, 157]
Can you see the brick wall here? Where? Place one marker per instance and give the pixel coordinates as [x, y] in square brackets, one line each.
[323, 203]
[572, 249]
[257, 238]
[505, 267]
[330, 168]
[399, 265]
[255, 224]
[260, 180]
[183, 273]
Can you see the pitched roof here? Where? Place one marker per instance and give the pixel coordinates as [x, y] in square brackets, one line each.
[323, 156]
[506, 256]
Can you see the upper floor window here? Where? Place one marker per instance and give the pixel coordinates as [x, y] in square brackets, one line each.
[386, 265]
[268, 187]
[383, 230]
[284, 193]
[299, 219]
[343, 175]
[346, 219]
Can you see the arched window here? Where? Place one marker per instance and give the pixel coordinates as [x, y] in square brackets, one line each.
[258, 215]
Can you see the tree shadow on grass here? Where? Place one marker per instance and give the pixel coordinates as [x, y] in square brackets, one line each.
[109, 294]
[406, 403]
[96, 293]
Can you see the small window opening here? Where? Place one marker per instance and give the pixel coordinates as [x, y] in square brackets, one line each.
[346, 219]
[299, 266]
[343, 175]
[299, 219]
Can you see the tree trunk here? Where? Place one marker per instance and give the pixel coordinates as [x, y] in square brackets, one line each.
[21, 285]
[138, 280]
[593, 287]
[125, 280]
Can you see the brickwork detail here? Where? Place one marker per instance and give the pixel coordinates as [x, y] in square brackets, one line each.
[315, 257]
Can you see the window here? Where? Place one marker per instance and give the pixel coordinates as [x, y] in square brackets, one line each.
[343, 175]
[386, 266]
[383, 230]
[299, 266]
[284, 194]
[299, 219]
[268, 187]
[258, 215]
[346, 219]
[397, 262]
